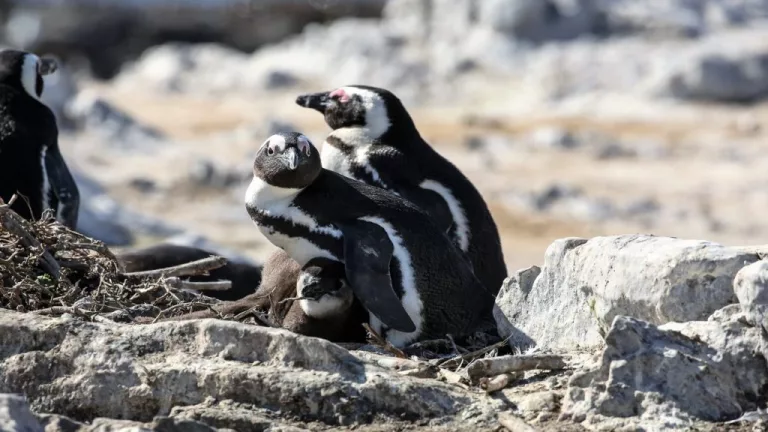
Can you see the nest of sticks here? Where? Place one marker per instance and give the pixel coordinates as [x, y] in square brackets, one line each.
[48, 269]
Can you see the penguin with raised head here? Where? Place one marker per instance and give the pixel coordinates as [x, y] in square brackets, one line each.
[31, 164]
[404, 270]
[245, 277]
[374, 140]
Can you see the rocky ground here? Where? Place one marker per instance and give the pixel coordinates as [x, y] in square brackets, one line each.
[590, 352]
[578, 120]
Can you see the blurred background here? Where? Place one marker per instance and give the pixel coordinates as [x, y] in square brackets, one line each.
[572, 117]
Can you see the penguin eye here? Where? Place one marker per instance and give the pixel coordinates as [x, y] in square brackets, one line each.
[270, 151]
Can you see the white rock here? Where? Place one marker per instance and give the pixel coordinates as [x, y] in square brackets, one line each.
[751, 284]
[137, 372]
[15, 415]
[584, 284]
[664, 377]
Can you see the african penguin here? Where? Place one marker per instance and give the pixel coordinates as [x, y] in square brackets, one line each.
[283, 278]
[31, 164]
[245, 277]
[374, 140]
[409, 276]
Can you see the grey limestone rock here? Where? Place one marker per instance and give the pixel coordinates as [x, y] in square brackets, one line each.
[665, 377]
[138, 372]
[584, 284]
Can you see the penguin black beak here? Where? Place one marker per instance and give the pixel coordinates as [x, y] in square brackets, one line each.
[290, 158]
[47, 66]
[316, 101]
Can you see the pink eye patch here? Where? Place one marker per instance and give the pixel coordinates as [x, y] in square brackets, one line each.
[343, 96]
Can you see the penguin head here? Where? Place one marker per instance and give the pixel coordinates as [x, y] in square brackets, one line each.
[25, 71]
[358, 106]
[323, 286]
[287, 160]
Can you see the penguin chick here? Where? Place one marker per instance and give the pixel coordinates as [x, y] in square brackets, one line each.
[407, 274]
[282, 279]
[374, 140]
[31, 164]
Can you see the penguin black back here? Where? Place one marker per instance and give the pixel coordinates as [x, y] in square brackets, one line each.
[31, 164]
[406, 272]
[245, 277]
[375, 140]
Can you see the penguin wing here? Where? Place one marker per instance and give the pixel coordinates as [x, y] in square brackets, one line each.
[431, 203]
[367, 254]
[63, 186]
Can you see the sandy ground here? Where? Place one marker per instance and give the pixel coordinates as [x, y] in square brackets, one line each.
[710, 182]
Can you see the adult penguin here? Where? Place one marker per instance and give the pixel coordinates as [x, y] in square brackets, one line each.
[31, 164]
[374, 140]
[412, 279]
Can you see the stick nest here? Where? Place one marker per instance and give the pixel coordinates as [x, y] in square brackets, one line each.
[48, 269]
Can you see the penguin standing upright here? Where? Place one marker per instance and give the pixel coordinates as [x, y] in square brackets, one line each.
[374, 140]
[31, 164]
[407, 273]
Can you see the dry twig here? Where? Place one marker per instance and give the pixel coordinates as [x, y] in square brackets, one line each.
[187, 269]
[15, 225]
[383, 343]
[177, 283]
[89, 284]
[499, 365]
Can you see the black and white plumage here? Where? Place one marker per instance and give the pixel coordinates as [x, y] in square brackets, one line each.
[31, 164]
[407, 273]
[374, 140]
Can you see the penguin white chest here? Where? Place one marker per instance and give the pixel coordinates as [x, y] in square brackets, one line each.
[335, 160]
[276, 203]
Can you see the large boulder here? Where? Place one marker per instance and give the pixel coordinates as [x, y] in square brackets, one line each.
[584, 284]
[666, 377]
[86, 370]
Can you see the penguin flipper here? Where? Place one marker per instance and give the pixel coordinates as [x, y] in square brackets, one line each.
[63, 186]
[433, 204]
[367, 254]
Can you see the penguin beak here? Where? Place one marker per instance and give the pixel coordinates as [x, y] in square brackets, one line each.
[316, 101]
[290, 158]
[47, 66]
